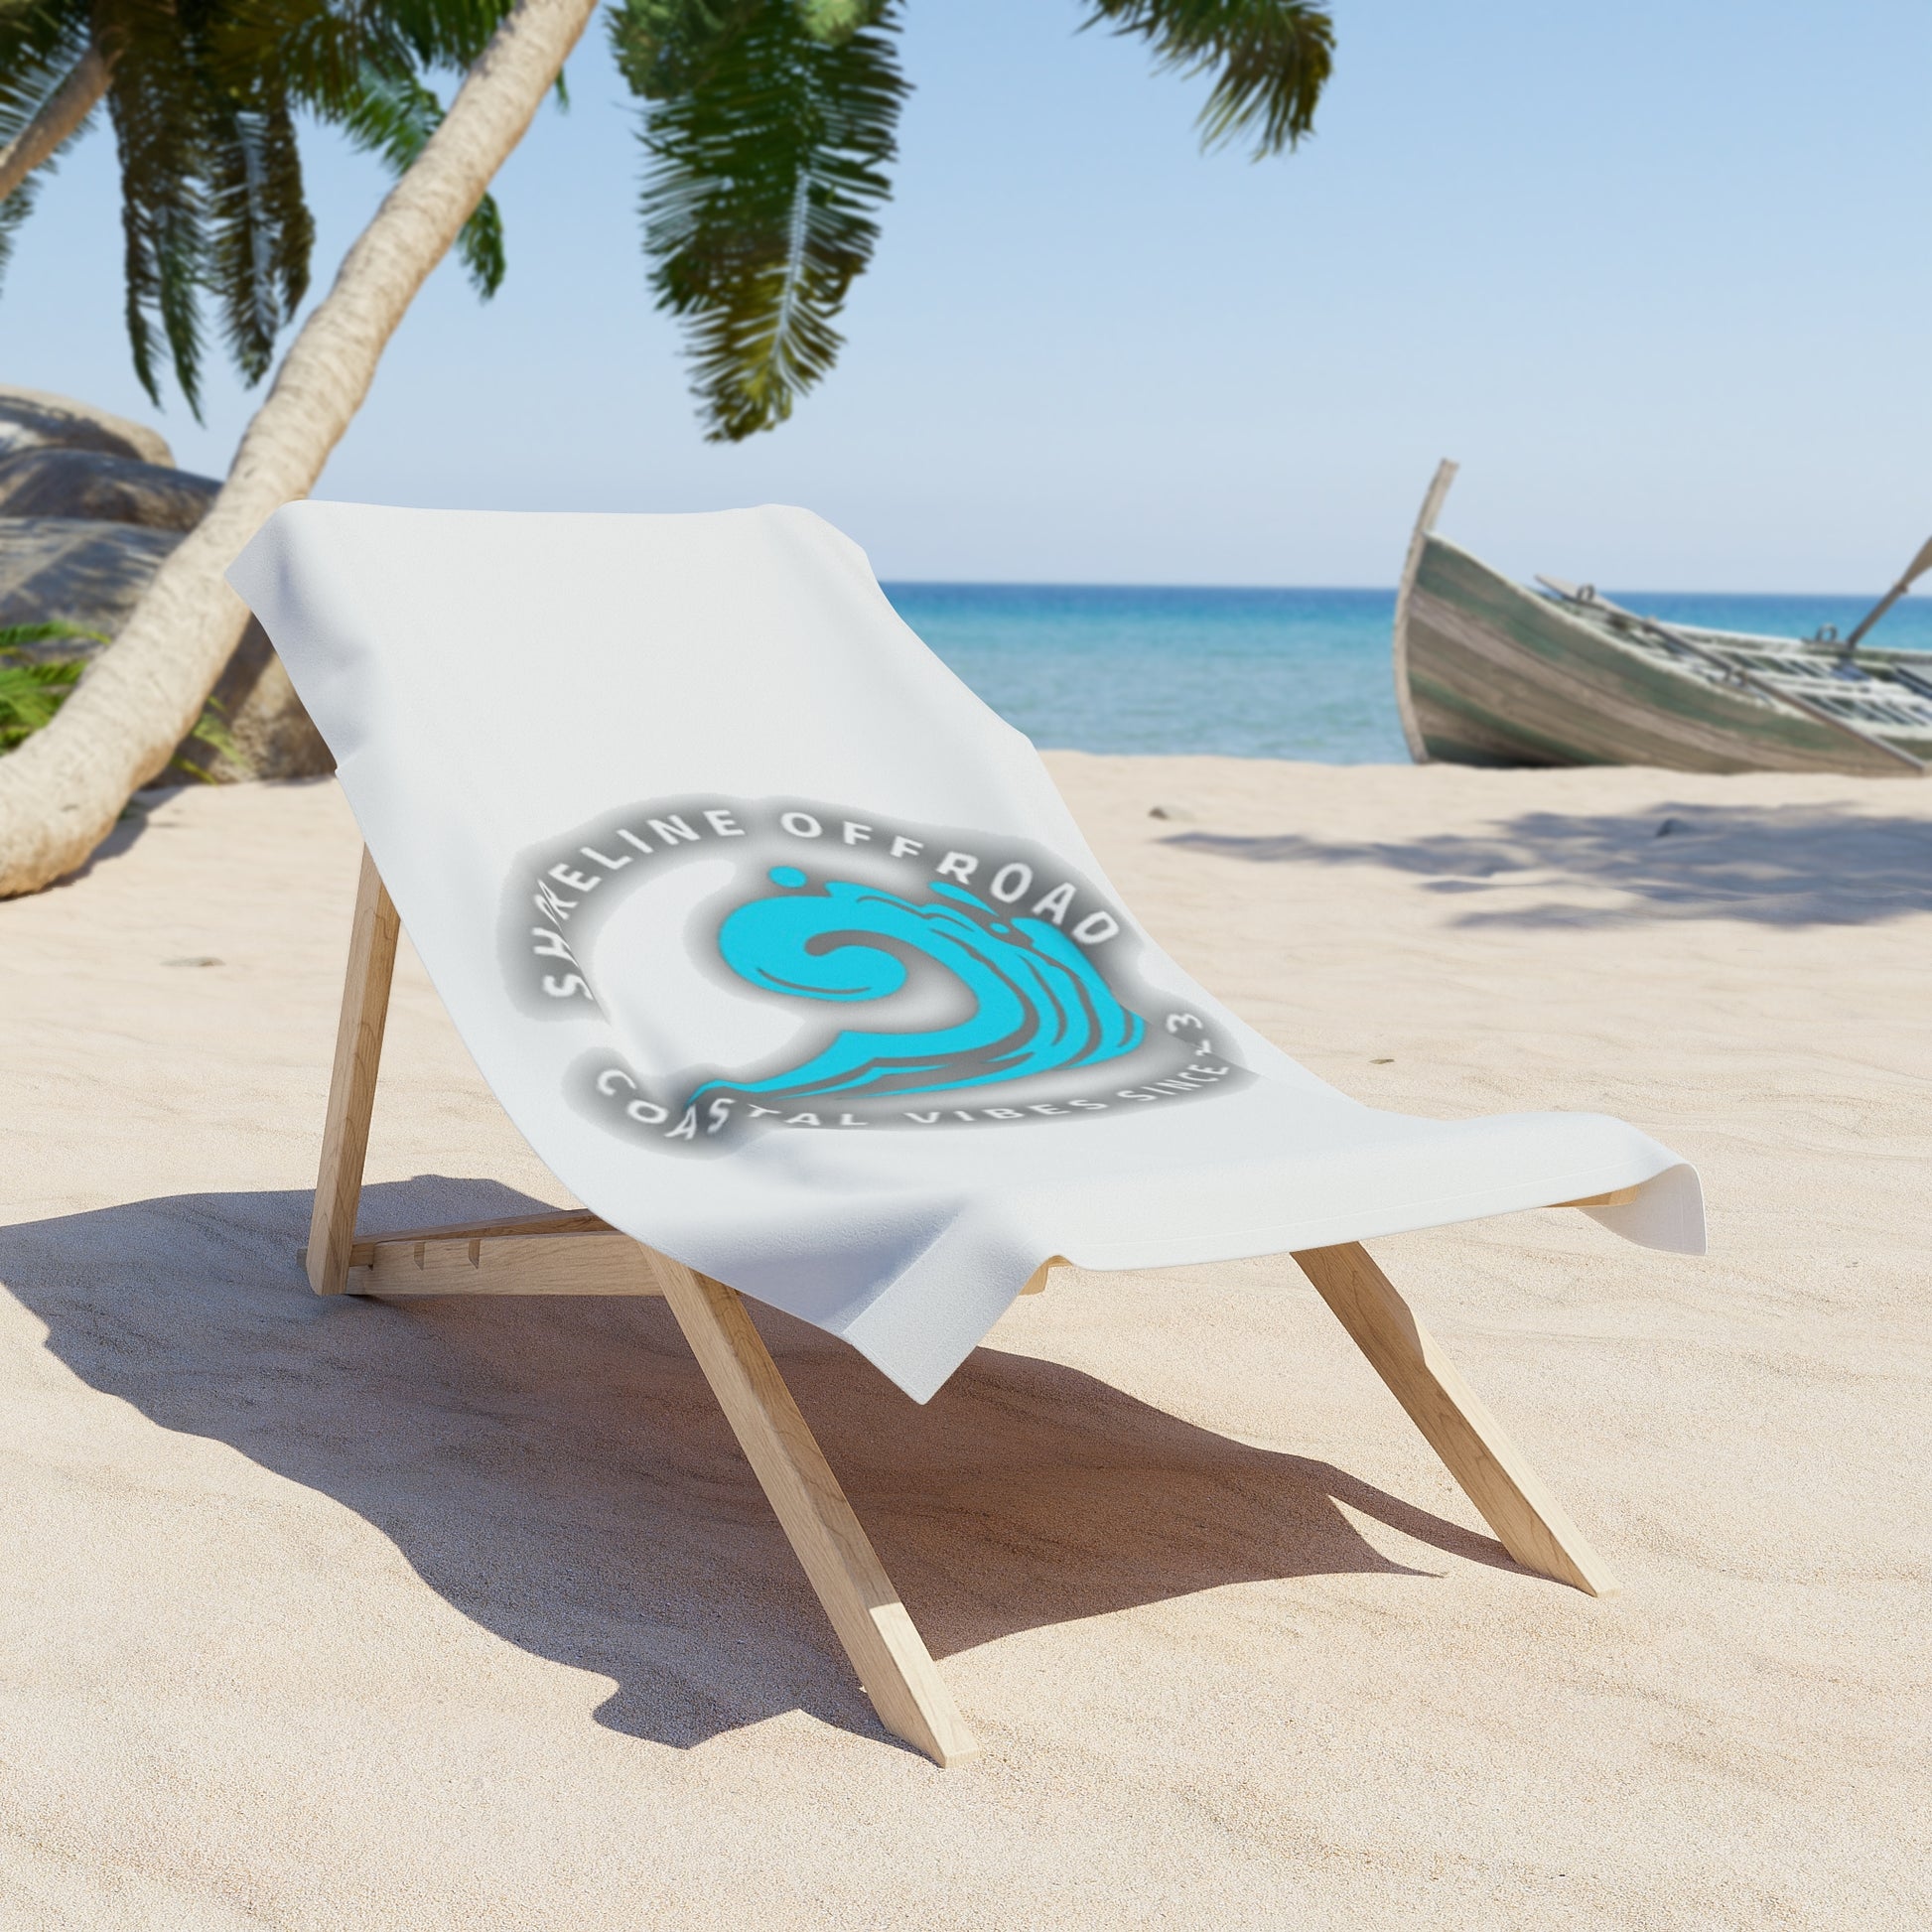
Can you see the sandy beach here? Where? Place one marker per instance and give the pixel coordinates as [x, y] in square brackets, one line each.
[468, 1613]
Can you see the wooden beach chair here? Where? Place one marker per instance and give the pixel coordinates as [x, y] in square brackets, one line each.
[791, 810]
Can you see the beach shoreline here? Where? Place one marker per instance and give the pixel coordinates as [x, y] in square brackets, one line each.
[423, 1616]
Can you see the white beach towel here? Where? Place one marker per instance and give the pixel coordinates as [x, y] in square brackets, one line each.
[784, 954]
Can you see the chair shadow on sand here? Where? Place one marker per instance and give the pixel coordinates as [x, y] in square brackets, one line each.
[557, 1470]
[1768, 865]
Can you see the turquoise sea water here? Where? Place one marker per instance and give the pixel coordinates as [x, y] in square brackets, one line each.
[1247, 673]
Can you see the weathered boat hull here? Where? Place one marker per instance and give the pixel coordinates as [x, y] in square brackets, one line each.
[1490, 673]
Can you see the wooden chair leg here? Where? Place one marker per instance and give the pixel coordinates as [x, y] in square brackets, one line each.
[1527, 1520]
[351, 1086]
[891, 1659]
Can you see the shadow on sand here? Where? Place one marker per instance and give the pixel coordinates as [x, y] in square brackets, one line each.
[1769, 864]
[558, 1472]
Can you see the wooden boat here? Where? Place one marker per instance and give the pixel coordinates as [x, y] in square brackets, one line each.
[1489, 672]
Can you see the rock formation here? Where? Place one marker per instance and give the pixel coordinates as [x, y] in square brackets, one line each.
[48, 482]
[89, 505]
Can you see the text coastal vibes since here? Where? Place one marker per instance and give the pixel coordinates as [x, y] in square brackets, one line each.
[1059, 1025]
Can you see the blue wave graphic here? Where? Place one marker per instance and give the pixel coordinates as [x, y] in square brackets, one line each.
[1038, 1005]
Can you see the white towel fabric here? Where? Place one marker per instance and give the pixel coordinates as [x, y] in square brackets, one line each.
[783, 952]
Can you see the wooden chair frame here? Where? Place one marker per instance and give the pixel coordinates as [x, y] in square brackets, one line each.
[574, 1252]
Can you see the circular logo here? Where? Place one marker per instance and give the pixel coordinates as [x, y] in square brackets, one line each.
[930, 977]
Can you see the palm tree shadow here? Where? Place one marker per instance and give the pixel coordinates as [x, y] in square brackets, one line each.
[1761, 864]
[557, 1469]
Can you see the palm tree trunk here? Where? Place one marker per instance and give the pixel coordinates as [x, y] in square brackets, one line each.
[63, 789]
[60, 114]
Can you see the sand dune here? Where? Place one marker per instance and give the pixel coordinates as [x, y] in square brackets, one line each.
[466, 1613]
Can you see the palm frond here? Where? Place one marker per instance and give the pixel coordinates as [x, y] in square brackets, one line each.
[32, 689]
[40, 46]
[358, 67]
[158, 104]
[1271, 60]
[203, 98]
[30, 695]
[260, 231]
[837, 20]
[314, 52]
[13, 211]
[666, 49]
[479, 247]
[445, 33]
[13, 638]
[392, 114]
[768, 144]
[211, 728]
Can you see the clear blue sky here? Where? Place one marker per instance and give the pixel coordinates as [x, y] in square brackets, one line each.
[1656, 273]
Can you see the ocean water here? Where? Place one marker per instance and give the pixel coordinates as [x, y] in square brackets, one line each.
[1247, 673]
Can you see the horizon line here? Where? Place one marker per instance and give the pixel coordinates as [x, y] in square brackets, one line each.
[1347, 589]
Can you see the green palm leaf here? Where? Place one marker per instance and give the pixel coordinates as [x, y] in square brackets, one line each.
[202, 97]
[159, 108]
[260, 231]
[30, 695]
[1270, 60]
[34, 688]
[392, 114]
[360, 67]
[769, 126]
[39, 46]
